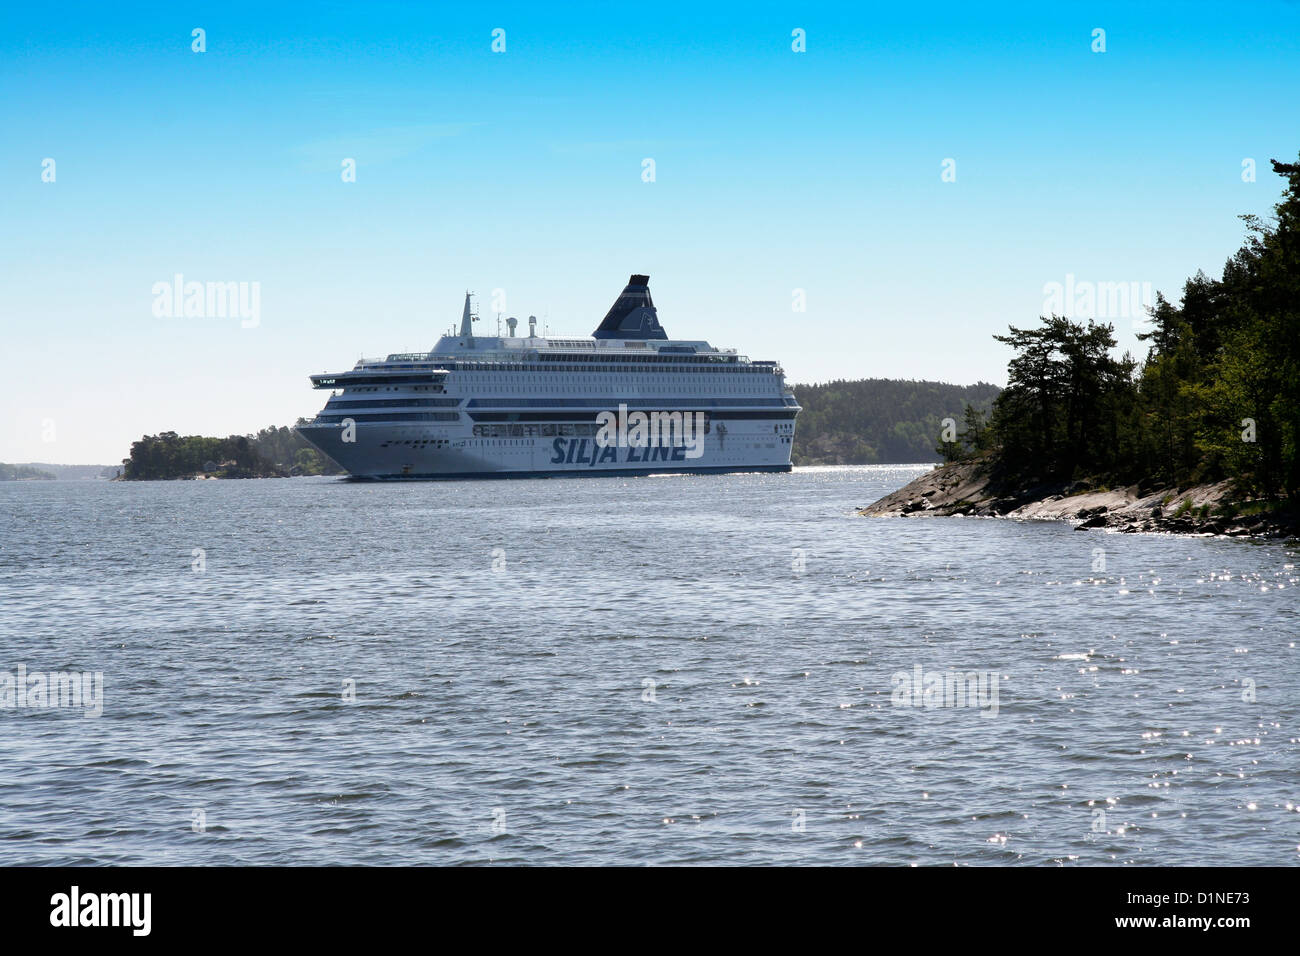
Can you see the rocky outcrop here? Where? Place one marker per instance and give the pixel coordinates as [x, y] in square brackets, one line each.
[968, 488]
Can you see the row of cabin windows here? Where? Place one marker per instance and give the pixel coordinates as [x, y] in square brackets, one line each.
[614, 361]
[393, 402]
[498, 367]
[545, 430]
[549, 384]
[393, 388]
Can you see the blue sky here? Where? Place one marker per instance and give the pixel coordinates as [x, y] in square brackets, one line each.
[522, 171]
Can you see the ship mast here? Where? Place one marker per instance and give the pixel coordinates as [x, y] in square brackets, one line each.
[467, 320]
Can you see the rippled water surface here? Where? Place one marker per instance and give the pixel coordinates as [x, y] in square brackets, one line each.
[660, 670]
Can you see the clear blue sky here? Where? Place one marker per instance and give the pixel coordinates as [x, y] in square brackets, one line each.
[522, 171]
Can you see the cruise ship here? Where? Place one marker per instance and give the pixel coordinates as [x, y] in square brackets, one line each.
[533, 406]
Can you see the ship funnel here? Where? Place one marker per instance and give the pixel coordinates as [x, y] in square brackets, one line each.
[510, 324]
[633, 315]
[532, 326]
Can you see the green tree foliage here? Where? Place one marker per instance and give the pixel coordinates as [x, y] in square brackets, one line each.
[975, 437]
[1218, 395]
[272, 452]
[879, 420]
[1063, 390]
[289, 451]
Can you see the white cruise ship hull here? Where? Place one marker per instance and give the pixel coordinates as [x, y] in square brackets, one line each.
[499, 407]
[396, 453]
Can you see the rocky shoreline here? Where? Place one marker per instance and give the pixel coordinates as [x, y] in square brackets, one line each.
[967, 488]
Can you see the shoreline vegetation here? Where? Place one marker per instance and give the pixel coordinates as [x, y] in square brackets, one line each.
[275, 452]
[1202, 436]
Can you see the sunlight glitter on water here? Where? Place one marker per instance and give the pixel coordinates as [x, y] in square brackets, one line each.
[524, 689]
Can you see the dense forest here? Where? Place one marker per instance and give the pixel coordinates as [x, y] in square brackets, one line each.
[879, 420]
[1216, 397]
[273, 452]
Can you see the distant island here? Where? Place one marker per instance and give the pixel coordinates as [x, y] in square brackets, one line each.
[23, 473]
[43, 471]
[275, 452]
[1201, 436]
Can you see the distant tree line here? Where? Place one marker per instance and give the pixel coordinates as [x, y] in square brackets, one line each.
[272, 452]
[1216, 397]
[23, 473]
[879, 420]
